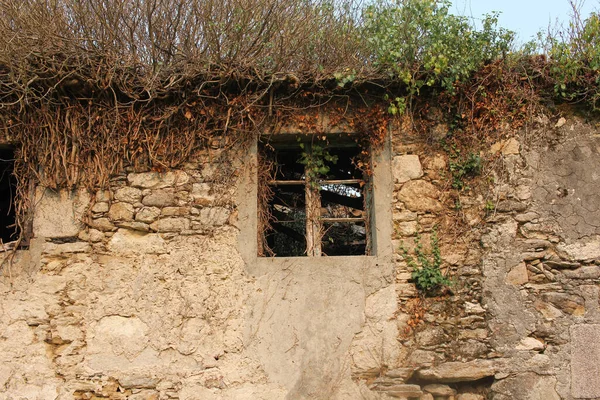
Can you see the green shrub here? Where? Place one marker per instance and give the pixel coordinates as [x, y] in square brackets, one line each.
[422, 44]
[426, 273]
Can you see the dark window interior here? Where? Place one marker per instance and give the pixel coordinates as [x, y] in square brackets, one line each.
[8, 184]
[341, 216]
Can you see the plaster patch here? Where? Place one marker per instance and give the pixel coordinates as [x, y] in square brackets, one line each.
[585, 368]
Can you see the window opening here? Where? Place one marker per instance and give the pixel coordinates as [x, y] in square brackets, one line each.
[315, 199]
[8, 185]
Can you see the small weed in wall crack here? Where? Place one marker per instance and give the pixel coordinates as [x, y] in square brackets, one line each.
[426, 272]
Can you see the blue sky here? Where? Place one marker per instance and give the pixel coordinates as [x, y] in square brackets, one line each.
[526, 17]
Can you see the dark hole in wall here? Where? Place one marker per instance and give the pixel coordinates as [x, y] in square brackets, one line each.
[8, 186]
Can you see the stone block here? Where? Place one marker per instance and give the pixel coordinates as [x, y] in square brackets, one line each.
[100, 207]
[159, 198]
[406, 167]
[102, 224]
[147, 214]
[510, 206]
[582, 251]
[175, 211]
[437, 389]
[128, 242]
[128, 195]
[58, 214]
[530, 343]
[460, 371]
[420, 196]
[158, 180]
[405, 216]
[470, 396]
[585, 361]
[518, 275]
[121, 212]
[171, 224]
[135, 225]
[569, 303]
[214, 216]
[408, 228]
[589, 272]
[201, 194]
[55, 249]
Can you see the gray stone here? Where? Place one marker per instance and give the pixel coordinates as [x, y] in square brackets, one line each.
[547, 310]
[159, 198]
[524, 386]
[147, 214]
[585, 365]
[406, 167]
[589, 272]
[171, 224]
[474, 308]
[510, 205]
[128, 195]
[582, 251]
[479, 334]
[158, 180]
[433, 335]
[121, 212]
[460, 372]
[420, 196]
[214, 216]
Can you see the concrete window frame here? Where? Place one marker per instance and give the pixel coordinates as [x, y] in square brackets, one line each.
[380, 219]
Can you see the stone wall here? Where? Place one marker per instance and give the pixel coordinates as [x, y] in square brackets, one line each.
[143, 290]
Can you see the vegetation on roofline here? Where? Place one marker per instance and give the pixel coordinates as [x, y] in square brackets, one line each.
[139, 50]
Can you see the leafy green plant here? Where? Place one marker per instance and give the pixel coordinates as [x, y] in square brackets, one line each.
[462, 168]
[315, 157]
[573, 58]
[421, 43]
[426, 272]
[489, 207]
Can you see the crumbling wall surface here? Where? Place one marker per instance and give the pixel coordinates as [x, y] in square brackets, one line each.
[143, 297]
[542, 266]
[140, 292]
[146, 290]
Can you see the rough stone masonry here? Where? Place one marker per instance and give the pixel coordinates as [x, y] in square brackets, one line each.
[143, 290]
